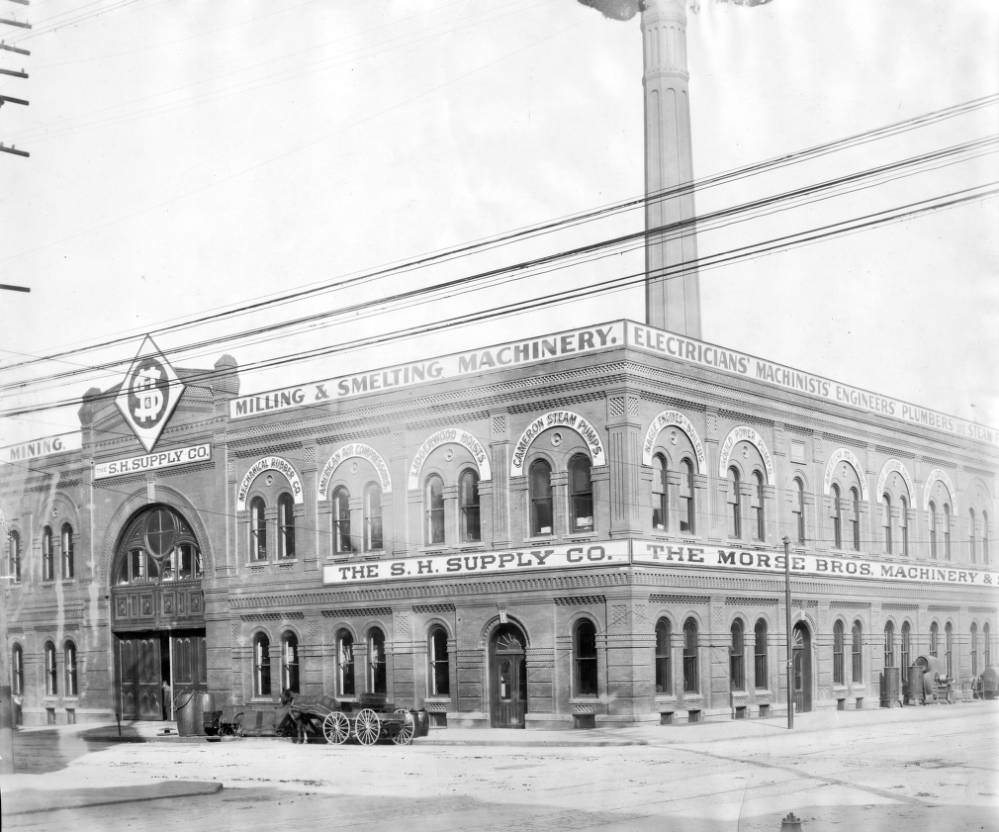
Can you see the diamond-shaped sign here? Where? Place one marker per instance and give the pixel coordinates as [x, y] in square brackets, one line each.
[149, 393]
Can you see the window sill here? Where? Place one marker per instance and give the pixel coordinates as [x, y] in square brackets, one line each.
[548, 538]
[579, 537]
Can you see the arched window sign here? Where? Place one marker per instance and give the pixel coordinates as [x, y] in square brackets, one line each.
[355, 450]
[849, 457]
[893, 466]
[744, 433]
[935, 476]
[447, 436]
[269, 463]
[672, 418]
[557, 419]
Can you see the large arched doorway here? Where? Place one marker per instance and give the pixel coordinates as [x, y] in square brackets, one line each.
[801, 664]
[158, 619]
[507, 677]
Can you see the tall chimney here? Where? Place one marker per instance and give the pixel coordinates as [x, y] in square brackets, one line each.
[672, 292]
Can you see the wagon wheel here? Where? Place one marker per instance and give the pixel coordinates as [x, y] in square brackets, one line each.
[367, 727]
[406, 728]
[336, 728]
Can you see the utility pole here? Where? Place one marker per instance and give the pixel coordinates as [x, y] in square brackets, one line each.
[787, 629]
[14, 73]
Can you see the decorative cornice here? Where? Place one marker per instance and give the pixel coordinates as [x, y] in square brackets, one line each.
[579, 600]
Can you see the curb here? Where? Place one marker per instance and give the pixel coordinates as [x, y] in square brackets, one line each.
[33, 801]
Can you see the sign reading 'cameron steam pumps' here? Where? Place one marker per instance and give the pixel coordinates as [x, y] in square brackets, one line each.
[618, 553]
[149, 393]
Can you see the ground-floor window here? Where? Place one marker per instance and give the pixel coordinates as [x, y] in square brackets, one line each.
[737, 657]
[585, 650]
[858, 653]
[345, 663]
[377, 682]
[51, 675]
[691, 682]
[664, 669]
[289, 663]
[440, 669]
[760, 679]
[69, 666]
[261, 665]
[838, 675]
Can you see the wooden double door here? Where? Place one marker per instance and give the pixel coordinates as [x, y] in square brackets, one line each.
[160, 673]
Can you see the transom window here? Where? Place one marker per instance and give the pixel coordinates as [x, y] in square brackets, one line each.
[181, 561]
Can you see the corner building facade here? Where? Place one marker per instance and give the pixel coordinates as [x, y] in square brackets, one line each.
[583, 528]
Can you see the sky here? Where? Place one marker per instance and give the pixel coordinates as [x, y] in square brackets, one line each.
[189, 158]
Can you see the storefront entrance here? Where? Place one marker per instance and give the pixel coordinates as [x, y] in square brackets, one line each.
[507, 677]
[801, 664]
[161, 674]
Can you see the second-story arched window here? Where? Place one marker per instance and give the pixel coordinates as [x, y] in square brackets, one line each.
[759, 506]
[855, 518]
[258, 529]
[48, 567]
[688, 505]
[837, 516]
[286, 526]
[468, 506]
[540, 487]
[933, 529]
[341, 521]
[14, 556]
[660, 494]
[433, 507]
[734, 505]
[372, 510]
[66, 549]
[985, 537]
[798, 510]
[946, 531]
[903, 525]
[972, 554]
[886, 521]
[580, 494]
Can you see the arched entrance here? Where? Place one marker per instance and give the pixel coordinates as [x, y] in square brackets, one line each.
[801, 667]
[158, 619]
[507, 677]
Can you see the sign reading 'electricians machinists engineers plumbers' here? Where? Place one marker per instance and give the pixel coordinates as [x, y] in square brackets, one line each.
[587, 340]
[620, 553]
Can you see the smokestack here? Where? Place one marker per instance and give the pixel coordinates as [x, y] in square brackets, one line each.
[672, 300]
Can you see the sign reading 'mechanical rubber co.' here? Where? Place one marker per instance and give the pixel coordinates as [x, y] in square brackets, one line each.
[618, 553]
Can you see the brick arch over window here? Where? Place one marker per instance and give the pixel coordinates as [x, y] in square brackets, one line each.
[563, 420]
[262, 466]
[449, 436]
[744, 433]
[888, 483]
[848, 457]
[667, 419]
[354, 450]
[938, 475]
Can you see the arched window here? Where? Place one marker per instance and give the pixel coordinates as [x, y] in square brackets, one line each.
[660, 494]
[933, 529]
[949, 648]
[258, 529]
[158, 545]
[903, 524]
[580, 494]
[344, 663]
[758, 506]
[584, 642]
[51, 674]
[687, 504]
[760, 670]
[286, 526]
[440, 665]
[341, 521]
[837, 517]
[373, 540]
[886, 521]
[972, 555]
[69, 667]
[377, 681]
[14, 550]
[17, 670]
[946, 531]
[734, 505]
[934, 637]
[48, 567]
[906, 652]
[66, 548]
[691, 680]
[664, 664]
[468, 506]
[289, 663]
[737, 657]
[985, 537]
[855, 518]
[838, 675]
[261, 665]
[889, 644]
[974, 649]
[798, 510]
[433, 506]
[858, 653]
[986, 645]
[540, 484]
